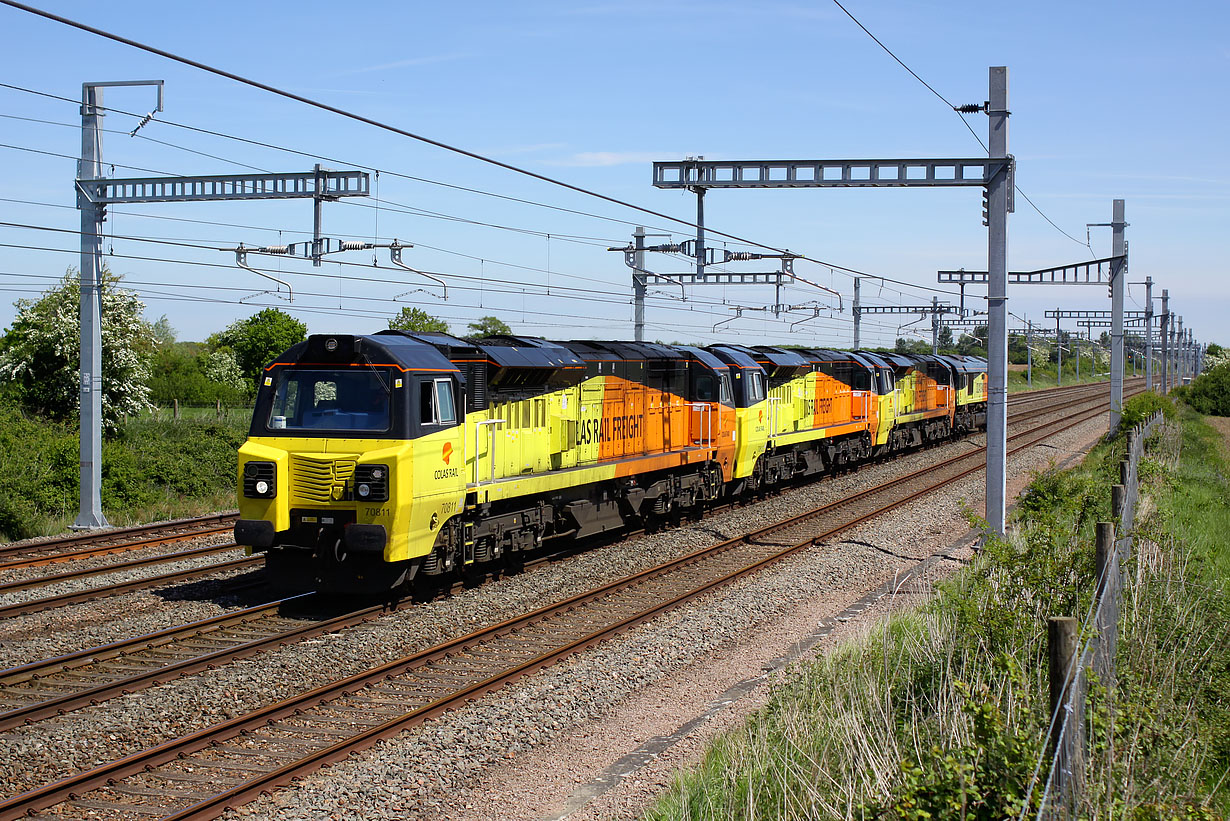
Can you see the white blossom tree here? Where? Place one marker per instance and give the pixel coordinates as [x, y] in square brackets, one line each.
[40, 352]
[222, 367]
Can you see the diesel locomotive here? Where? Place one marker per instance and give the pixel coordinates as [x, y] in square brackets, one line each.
[376, 459]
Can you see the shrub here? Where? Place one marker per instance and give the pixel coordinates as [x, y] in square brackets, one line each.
[1139, 408]
[1209, 393]
[150, 468]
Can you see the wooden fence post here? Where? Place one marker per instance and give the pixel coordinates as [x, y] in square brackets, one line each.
[176, 410]
[1061, 647]
[1103, 548]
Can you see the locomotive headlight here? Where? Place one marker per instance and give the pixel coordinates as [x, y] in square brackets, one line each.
[260, 480]
[371, 483]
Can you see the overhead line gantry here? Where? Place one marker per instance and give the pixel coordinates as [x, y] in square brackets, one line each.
[993, 173]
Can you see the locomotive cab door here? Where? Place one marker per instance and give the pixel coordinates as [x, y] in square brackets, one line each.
[439, 458]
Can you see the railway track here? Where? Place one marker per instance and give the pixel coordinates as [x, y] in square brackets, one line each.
[132, 585]
[228, 764]
[118, 540]
[102, 685]
[43, 690]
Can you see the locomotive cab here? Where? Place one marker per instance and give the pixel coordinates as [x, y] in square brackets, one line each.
[354, 450]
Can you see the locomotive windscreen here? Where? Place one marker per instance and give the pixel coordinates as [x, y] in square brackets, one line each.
[318, 401]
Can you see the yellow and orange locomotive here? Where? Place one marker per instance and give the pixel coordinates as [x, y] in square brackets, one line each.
[373, 459]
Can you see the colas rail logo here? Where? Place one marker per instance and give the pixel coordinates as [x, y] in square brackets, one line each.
[447, 472]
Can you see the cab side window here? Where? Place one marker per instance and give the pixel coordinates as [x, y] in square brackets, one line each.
[755, 389]
[446, 409]
[437, 405]
[704, 388]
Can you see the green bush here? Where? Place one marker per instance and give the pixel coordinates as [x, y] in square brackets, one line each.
[1209, 393]
[1141, 407]
[149, 468]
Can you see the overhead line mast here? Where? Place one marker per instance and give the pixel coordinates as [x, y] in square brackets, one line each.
[95, 193]
[993, 173]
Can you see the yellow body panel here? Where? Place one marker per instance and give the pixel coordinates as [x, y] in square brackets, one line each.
[751, 437]
[425, 481]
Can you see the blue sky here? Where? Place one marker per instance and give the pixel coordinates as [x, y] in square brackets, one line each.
[1109, 100]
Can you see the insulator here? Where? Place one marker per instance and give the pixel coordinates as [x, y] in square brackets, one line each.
[352, 246]
[968, 108]
[276, 249]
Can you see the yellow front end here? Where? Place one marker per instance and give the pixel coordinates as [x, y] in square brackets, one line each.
[316, 495]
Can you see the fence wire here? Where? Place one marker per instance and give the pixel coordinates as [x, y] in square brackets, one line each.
[1096, 652]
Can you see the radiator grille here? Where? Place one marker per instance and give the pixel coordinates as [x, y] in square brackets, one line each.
[320, 479]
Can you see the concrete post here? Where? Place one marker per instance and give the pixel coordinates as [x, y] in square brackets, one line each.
[1117, 287]
[638, 285]
[997, 304]
[89, 511]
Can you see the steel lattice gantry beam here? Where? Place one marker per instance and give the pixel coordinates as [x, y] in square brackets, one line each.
[1106, 271]
[1080, 273]
[1056, 314]
[936, 309]
[325, 184]
[994, 174]
[95, 192]
[701, 173]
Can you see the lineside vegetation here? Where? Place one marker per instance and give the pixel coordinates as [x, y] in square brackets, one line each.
[152, 470]
[940, 711]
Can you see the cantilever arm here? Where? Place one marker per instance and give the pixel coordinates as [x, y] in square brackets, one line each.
[738, 313]
[395, 249]
[241, 259]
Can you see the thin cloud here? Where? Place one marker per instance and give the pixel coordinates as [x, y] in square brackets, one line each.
[601, 159]
[407, 63]
[511, 150]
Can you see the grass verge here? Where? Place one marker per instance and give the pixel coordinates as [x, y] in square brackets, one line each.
[941, 711]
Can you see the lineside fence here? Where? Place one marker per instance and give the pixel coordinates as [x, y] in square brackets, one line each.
[218, 410]
[1077, 651]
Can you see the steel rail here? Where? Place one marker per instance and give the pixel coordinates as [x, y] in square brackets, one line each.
[93, 695]
[100, 537]
[144, 761]
[36, 605]
[85, 573]
[108, 550]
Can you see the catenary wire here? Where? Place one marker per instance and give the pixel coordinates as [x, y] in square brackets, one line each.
[963, 120]
[484, 282]
[400, 131]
